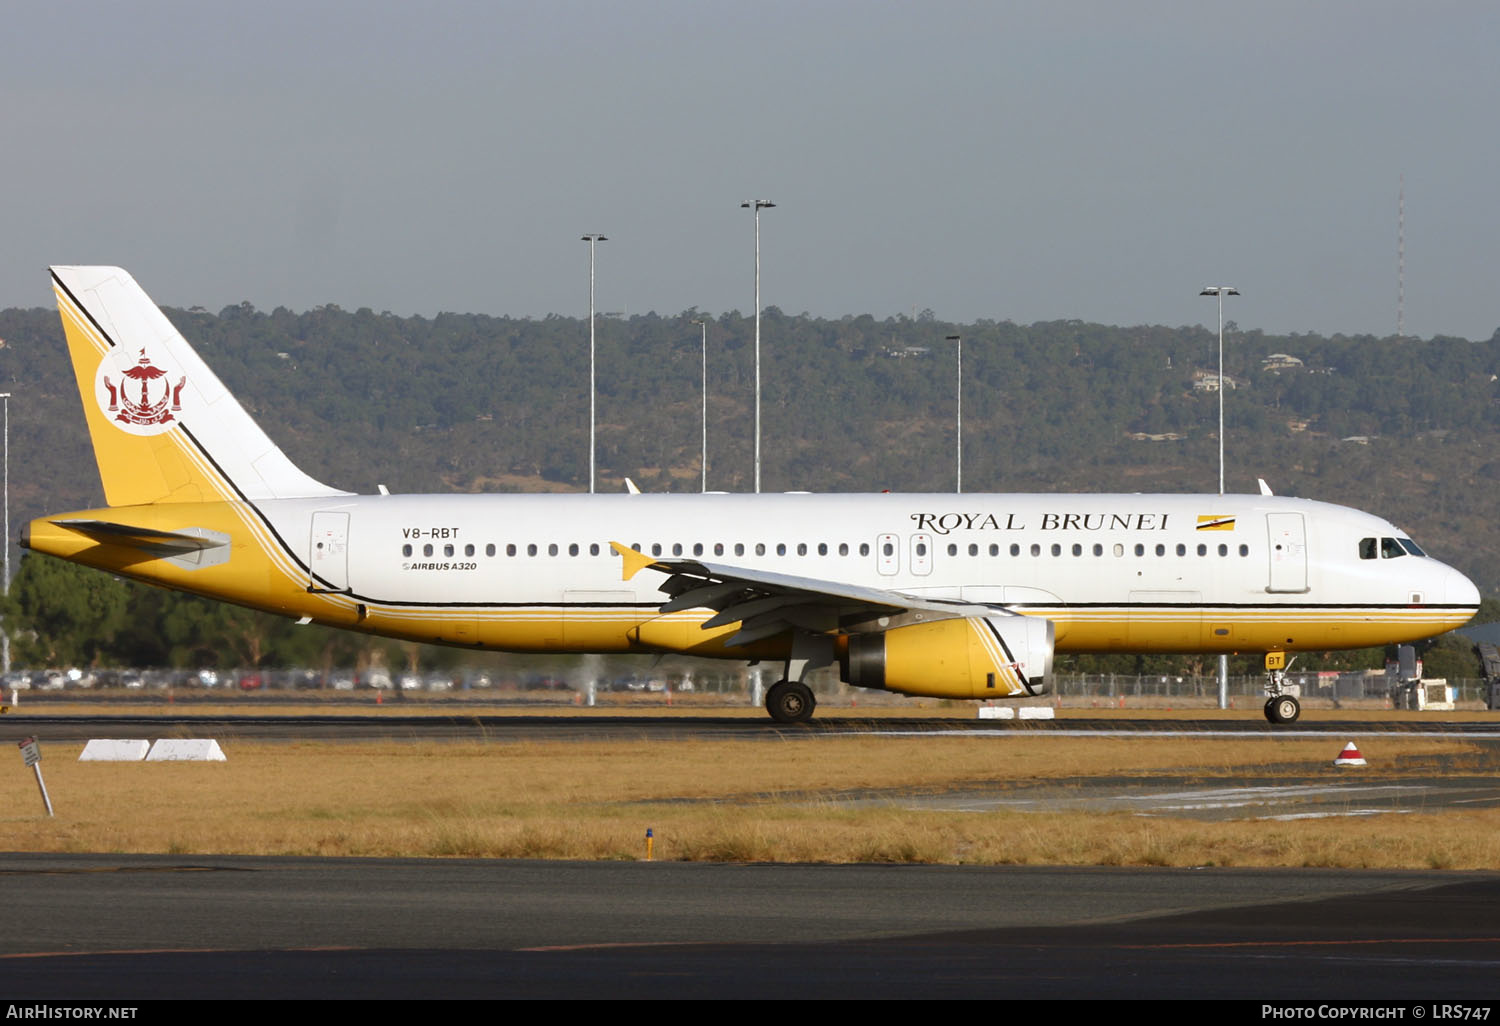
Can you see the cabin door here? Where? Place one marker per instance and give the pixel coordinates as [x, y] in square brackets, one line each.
[329, 562]
[1287, 535]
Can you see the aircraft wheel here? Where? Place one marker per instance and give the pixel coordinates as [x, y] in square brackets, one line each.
[1270, 710]
[790, 702]
[1284, 709]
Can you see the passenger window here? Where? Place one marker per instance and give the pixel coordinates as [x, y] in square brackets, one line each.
[426, 550]
[718, 548]
[1181, 549]
[1056, 549]
[1202, 550]
[994, 550]
[1098, 549]
[1161, 550]
[822, 548]
[593, 548]
[531, 550]
[656, 548]
[677, 548]
[952, 549]
[1223, 550]
[973, 550]
[802, 548]
[1140, 550]
[468, 550]
[843, 548]
[739, 548]
[573, 549]
[888, 549]
[1119, 549]
[1036, 550]
[921, 548]
[760, 548]
[1015, 550]
[1244, 550]
[781, 548]
[864, 548]
[1077, 550]
[510, 550]
[489, 550]
[406, 550]
[697, 548]
[552, 549]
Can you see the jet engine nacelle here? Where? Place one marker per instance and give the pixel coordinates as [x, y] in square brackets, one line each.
[964, 657]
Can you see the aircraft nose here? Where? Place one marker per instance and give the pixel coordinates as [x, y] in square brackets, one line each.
[1458, 590]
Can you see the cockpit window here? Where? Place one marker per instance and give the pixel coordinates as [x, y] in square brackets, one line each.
[1390, 548]
[1411, 546]
[1367, 548]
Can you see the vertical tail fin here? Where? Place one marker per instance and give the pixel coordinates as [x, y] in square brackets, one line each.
[164, 428]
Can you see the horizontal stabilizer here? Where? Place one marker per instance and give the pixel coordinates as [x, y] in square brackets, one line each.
[194, 539]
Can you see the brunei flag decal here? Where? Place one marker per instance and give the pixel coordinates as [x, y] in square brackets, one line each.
[1215, 523]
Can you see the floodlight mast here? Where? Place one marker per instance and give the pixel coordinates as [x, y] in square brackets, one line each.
[958, 463]
[1221, 291]
[592, 240]
[757, 206]
[703, 342]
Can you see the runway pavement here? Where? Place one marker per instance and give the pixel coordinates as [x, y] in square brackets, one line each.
[142, 927]
[393, 725]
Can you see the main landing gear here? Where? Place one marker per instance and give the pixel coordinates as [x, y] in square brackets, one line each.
[1280, 708]
[790, 701]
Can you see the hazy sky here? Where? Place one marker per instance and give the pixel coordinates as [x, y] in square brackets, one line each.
[1026, 161]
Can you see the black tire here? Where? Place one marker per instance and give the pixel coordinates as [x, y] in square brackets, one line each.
[790, 702]
[1271, 710]
[1285, 709]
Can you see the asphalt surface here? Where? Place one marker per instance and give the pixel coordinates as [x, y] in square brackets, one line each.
[394, 725]
[149, 927]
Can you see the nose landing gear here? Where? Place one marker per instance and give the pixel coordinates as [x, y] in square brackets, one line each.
[1281, 708]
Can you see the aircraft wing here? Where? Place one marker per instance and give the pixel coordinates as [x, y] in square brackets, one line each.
[766, 604]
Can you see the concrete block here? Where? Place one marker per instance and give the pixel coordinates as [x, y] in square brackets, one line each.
[186, 750]
[115, 750]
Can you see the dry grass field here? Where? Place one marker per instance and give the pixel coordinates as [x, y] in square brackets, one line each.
[729, 801]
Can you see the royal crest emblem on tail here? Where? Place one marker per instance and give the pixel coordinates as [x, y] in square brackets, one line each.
[138, 394]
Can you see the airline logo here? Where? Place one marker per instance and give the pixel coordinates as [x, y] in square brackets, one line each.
[137, 393]
[1215, 523]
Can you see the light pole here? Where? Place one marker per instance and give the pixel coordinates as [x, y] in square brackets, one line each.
[703, 329]
[959, 462]
[1221, 291]
[5, 585]
[592, 240]
[757, 206]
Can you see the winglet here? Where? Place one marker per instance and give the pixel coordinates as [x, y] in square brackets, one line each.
[633, 562]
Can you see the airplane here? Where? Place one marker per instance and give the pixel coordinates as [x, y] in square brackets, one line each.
[962, 596]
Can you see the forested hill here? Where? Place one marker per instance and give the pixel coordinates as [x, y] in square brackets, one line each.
[1403, 428]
